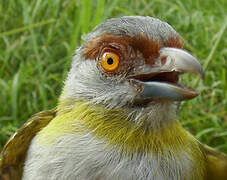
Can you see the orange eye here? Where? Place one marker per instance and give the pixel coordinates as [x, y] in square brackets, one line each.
[110, 61]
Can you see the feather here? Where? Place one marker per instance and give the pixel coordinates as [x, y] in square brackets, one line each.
[215, 163]
[14, 152]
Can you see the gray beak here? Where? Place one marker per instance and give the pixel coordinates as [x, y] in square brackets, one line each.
[181, 61]
[160, 81]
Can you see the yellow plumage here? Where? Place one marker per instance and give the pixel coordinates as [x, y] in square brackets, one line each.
[213, 164]
[114, 126]
[116, 118]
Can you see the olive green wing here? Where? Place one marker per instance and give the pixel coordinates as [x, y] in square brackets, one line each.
[216, 164]
[14, 152]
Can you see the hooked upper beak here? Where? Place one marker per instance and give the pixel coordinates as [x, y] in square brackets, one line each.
[160, 81]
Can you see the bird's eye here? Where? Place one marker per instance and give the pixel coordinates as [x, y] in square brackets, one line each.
[110, 61]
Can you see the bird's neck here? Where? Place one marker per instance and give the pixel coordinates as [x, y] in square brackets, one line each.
[117, 128]
[167, 143]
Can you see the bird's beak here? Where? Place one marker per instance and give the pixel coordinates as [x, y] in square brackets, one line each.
[160, 81]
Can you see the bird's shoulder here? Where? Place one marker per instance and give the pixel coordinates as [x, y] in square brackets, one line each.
[216, 163]
[14, 152]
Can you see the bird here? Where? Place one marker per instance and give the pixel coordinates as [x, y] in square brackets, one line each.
[116, 118]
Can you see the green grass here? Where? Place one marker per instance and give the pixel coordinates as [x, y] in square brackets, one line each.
[37, 40]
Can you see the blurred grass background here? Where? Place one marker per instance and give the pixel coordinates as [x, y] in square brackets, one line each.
[37, 40]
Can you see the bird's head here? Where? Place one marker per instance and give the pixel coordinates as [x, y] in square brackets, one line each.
[132, 62]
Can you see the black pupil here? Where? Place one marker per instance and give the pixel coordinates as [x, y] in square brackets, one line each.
[110, 61]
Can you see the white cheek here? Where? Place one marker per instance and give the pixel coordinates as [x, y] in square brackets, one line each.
[86, 81]
[81, 78]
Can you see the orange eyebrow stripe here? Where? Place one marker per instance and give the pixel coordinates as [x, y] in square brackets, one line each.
[149, 48]
[174, 42]
[93, 47]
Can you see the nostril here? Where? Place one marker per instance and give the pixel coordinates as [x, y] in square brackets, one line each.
[163, 59]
